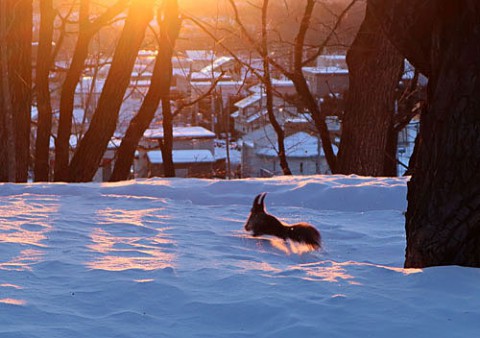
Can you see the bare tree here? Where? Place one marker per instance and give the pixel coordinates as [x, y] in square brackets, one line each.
[21, 82]
[89, 153]
[296, 73]
[43, 66]
[267, 80]
[16, 45]
[87, 30]
[8, 155]
[159, 90]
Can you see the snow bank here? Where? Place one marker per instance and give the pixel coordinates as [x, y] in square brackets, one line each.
[169, 258]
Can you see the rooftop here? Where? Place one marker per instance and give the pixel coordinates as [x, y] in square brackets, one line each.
[183, 156]
[181, 132]
[249, 100]
[325, 70]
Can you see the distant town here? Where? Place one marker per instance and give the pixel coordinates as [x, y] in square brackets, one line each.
[222, 127]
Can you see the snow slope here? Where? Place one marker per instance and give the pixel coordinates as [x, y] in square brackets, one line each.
[169, 258]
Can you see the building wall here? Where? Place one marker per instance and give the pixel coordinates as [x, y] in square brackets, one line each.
[184, 170]
[186, 144]
[252, 164]
[324, 84]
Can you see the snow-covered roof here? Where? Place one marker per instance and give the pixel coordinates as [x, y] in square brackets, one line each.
[225, 87]
[147, 52]
[332, 60]
[114, 143]
[199, 76]
[217, 64]
[299, 119]
[180, 72]
[249, 100]
[86, 82]
[143, 74]
[325, 70]
[183, 156]
[235, 114]
[256, 116]
[277, 84]
[234, 154]
[197, 55]
[181, 132]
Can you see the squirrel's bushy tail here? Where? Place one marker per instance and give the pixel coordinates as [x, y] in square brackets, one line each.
[304, 233]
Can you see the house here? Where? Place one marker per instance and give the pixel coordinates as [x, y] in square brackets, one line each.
[193, 152]
[250, 114]
[224, 65]
[200, 58]
[329, 76]
[304, 154]
[326, 80]
[188, 163]
[280, 87]
[252, 111]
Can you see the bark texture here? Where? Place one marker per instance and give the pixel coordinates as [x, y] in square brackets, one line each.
[375, 67]
[443, 216]
[44, 62]
[21, 82]
[16, 89]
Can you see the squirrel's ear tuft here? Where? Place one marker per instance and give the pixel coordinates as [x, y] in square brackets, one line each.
[261, 201]
[258, 205]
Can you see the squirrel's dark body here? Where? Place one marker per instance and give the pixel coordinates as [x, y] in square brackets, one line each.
[260, 223]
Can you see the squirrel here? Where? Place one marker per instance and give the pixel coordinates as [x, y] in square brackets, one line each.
[259, 222]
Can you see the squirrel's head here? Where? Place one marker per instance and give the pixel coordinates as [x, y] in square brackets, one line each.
[257, 211]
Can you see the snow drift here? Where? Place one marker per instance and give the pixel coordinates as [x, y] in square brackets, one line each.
[169, 258]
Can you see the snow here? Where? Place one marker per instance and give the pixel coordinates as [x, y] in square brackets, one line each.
[202, 76]
[299, 145]
[325, 70]
[256, 116]
[200, 55]
[170, 258]
[183, 156]
[217, 64]
[249, 100]
[181, 132]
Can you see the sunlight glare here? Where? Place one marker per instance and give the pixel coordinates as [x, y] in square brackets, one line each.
[13, 301]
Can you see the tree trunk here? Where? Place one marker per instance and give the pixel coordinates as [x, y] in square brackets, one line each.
[20, 64]
[9, 149]
[318, 118]
[375, 67]
[67, 97]
[301, 86]
[169, 23]
[44, 62]
[87, 30]
[89, 153]
[166, 145]
[267, 80]
[443, 216]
